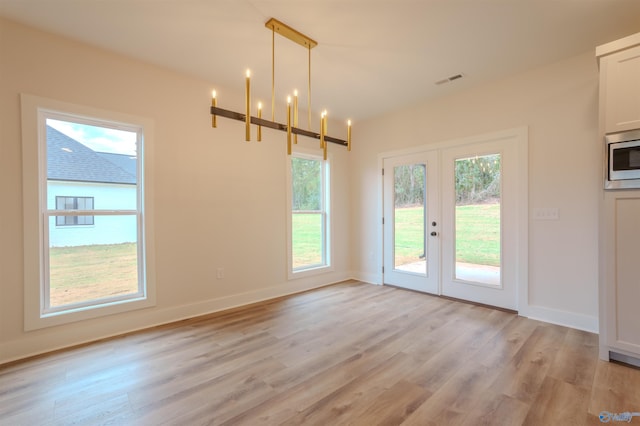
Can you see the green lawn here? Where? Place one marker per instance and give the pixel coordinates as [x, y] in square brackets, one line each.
[92, 272]
[307, 242]
[409, 230]
[477, 234]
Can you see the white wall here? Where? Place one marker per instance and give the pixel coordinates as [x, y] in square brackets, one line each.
[233, 214]
[558, 103]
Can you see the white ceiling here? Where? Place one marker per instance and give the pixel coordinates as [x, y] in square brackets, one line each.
[373, 56]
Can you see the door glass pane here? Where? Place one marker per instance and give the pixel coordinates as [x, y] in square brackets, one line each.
[409, 214]
[477, 219]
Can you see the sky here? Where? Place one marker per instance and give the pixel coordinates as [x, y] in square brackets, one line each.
[100, 139]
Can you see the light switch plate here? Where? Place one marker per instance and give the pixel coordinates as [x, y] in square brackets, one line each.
[546, 213]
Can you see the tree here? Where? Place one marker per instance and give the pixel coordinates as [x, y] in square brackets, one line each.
[306, 176]
[477, 179]
[409, 182]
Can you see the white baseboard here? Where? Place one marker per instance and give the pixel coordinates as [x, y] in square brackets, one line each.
[241, 299]
[366, 277]
[64, 336]
[564, 318]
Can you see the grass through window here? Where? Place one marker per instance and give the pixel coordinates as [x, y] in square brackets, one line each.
[307, 240]
[92, 272]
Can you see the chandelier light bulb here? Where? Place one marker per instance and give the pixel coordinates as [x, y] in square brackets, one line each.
[259, 117]
[214, 118]
[295, 114]
[288, 125]
[247, 105]
[322, 129]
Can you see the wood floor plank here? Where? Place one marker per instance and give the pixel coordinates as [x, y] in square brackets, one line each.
[616, 389]
[357, 397]
[501, 349]
[394, 405]
[559, 402]
[496, 409]
[522, 377]
[457, 396]
[459, 350]
[290, 402]
[576, 360]
[347, 354]
[202, 400]
[97, 412]
[383, 341]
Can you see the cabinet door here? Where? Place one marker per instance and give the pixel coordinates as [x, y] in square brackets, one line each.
[621, 77]
[623, 281]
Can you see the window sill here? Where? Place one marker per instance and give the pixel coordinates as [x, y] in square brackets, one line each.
[35, 322]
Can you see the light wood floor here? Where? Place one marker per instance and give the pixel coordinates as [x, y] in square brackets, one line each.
[346, 354]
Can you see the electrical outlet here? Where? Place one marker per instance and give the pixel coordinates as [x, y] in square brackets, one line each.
[547, 213]
[220, 273]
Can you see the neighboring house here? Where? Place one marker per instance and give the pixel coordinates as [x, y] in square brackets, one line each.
[79, 178]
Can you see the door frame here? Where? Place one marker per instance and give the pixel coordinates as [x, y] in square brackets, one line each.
[521, 139]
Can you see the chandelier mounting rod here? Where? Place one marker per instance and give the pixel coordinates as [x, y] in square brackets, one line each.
[215, 111]
[290, 33]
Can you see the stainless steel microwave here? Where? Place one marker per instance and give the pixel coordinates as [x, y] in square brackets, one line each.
[623, 160]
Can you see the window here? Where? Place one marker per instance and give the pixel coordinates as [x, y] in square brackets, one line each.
[101, 264]
[74, 203]
[85, 214]
[309, 218]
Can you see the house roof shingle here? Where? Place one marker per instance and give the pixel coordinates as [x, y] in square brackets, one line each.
[69, 160]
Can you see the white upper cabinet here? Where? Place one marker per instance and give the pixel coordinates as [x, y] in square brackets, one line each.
[619, 210]
[620, 88]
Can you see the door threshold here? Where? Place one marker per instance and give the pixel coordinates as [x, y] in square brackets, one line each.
[455, 299]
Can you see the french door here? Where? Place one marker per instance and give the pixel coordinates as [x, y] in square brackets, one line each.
[462, 232]
[480, 223]
[411, 222]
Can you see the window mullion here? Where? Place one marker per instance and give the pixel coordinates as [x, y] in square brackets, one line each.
[91, 212]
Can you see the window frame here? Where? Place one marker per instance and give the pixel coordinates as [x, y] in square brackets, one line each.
[327, 255]
[37, 314]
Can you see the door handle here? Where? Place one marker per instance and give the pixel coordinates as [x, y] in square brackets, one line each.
[434, 234]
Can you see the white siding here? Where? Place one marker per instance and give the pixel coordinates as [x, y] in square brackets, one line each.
[106, 229]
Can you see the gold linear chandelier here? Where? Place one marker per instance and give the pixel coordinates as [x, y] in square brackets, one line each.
[291, 127]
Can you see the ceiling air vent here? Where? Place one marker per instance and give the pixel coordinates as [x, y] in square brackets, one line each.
[449, 79]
